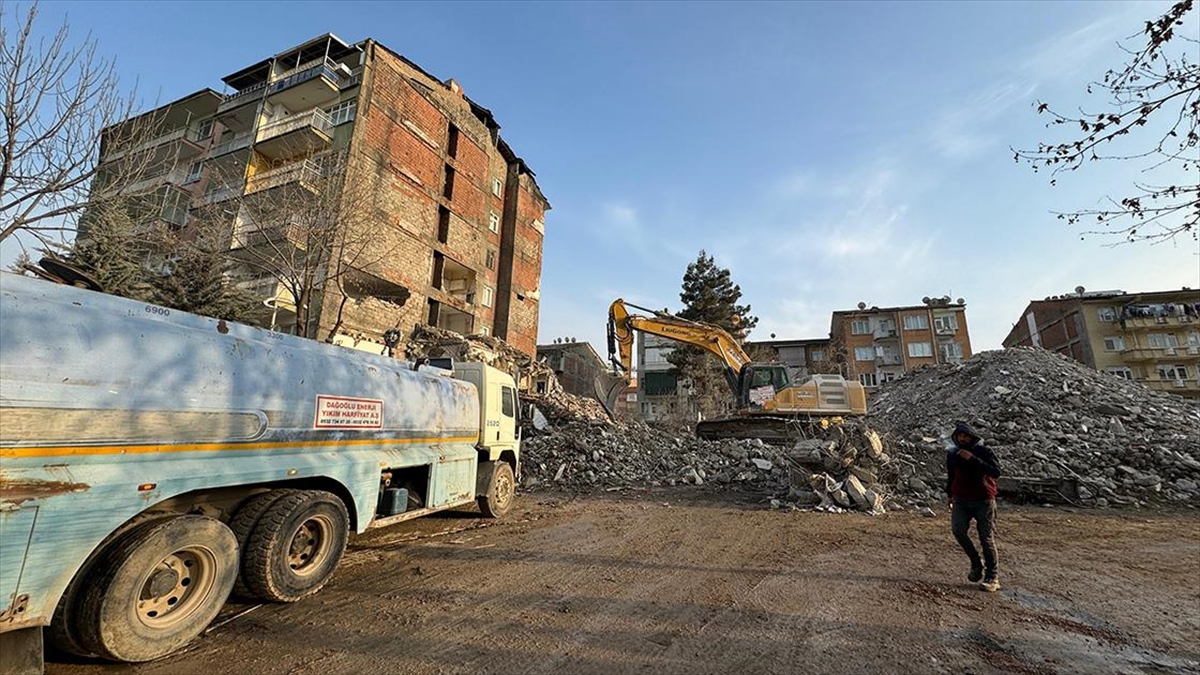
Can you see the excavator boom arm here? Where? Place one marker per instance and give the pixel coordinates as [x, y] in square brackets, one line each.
[710, 338]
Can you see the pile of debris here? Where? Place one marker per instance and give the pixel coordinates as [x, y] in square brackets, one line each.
[1061, 431]
[434, 343]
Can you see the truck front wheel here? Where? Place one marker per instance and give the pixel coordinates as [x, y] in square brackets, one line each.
[499, 497]
[156, 587]
[295, 546]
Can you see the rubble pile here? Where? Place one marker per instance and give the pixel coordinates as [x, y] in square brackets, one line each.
[1104, 440]
[432, 342]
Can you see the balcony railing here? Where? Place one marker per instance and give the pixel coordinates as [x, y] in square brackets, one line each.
[1173, 385]
[885, 333]
[146, 183]
[230, 145]
[239, 97]
[1160, 321]
[306, 172]
[189, 133]
[271, 232]
[219, 195]
[304, 72]
[316, 119]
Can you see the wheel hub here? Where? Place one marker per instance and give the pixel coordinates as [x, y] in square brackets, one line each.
[176, 587]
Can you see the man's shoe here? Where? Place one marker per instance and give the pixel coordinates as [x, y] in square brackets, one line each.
[975, 574]
[991, 583]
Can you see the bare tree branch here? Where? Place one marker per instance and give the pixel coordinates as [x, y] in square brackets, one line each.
[1158, 82]
[60, 102]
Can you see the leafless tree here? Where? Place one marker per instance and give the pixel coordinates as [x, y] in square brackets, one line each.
[1160, 83]
[60, 102]
[311, 226]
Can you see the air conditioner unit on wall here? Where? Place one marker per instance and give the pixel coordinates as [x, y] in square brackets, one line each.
[1169, 351]
[1179, 384]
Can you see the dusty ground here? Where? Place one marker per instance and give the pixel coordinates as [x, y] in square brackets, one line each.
[683, 580]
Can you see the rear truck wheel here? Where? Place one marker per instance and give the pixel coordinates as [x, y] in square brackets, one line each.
[296, 545]
[243, 522]
[156, 587]
[498, 499]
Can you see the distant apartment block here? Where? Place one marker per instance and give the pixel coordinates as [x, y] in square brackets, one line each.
[661, 394]
[879, 344]
[1151, 337]
[576, 364]
[458, 216]
[801, 357]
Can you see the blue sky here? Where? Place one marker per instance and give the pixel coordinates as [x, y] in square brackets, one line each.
[827, 153]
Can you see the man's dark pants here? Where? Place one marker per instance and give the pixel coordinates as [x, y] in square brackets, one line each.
[983, 512]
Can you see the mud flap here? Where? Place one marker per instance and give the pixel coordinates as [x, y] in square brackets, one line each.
[484, 477]
[21, 652]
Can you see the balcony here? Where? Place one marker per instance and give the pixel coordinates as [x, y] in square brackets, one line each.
[889, 360]
[306, 174]
[1182, 353]
[296, 135]
[181, 142]
[886, 334]
[149, 183]
[230, 145]
[1184, 387]
[270, 233]
[307, 85]
[1160, 321]
[237, 99]
[218, 196]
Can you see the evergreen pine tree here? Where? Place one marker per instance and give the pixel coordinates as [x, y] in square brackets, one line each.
[709, 295]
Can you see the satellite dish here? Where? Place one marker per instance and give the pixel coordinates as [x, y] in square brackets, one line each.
[1080, 289]
[925, 300]
[772, 336]
[69, 274]
[961, 301]
[862, 305]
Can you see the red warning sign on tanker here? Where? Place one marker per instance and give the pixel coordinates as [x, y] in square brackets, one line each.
[340, 412]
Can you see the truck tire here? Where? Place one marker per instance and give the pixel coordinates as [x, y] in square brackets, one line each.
[499, 497]
[296, 545]
[244, 519]
[62, 633]
[156, 587]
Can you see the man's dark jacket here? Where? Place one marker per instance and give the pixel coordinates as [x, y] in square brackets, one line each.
[971, 479]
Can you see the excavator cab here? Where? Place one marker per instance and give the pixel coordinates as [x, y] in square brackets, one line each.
[759, 382]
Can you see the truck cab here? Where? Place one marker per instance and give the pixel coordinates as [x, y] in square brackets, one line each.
[499, 442]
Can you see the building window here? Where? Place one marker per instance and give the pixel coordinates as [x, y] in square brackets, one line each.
[655, 355]
[497, 187]
[487, 296]
[889, 376]
[1120, 371]
[1163, 341]
[919, 349]
[952, 351]
[817, 355]
[493, 221]
[864, 353]
[868, 380]
[342, 112]
[916, 322]
[948, 323]
[194, 171]
[539, 226]
[1107, 314]
[860, 327]
[204, 130]
[1114, 344]
[491, 259]
[1172, 372]
[1193, 340]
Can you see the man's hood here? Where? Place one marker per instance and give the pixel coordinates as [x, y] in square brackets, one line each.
[964, 428]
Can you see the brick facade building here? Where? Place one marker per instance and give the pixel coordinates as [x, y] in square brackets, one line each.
[877, 344]
[457, 220]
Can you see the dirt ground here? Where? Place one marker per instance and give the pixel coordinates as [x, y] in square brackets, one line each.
[687, 581]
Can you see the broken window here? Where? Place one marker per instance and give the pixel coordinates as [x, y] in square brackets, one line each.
[443, 224]
[457, 280]
[452, 142]
[448, 188]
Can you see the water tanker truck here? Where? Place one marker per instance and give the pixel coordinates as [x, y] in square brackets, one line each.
[152, 462]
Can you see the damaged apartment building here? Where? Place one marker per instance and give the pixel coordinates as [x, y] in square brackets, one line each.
[352, 167]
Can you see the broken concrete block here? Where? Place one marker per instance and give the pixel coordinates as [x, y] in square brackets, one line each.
[762, 464]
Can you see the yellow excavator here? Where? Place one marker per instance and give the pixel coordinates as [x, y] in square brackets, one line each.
[769, 406]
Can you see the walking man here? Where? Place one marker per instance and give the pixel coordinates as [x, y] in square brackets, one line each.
[971, 473]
